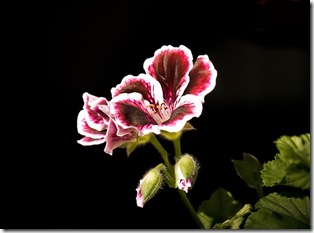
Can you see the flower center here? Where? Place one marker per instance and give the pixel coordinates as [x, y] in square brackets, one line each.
[160, 112]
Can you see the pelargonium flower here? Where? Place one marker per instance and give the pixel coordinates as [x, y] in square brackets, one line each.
[170, 93]
[98, 126]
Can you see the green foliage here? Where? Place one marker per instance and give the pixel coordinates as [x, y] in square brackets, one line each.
[206, 220]
[220, 207]
[249, 170]
[279, 212]
[292, 165]
[236, 221]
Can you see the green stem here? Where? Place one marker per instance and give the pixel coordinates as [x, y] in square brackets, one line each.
[259, 191]
[177, 147]
[162, 152]
[170, 180]
[188, 204]
[185, 199]
[164, 155]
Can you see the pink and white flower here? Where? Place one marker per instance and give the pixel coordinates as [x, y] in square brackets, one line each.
[170, 93]
[97, 126]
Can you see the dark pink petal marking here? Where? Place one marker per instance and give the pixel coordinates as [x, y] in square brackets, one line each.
[101, 106]
[87, 141]
[84, 129]
[97, 111]
[185, 184]
[114, 141]
[144, 84]
[188, 107]
[202, 78]
[130, 110]
[139, 197]
[170, 66]
[92, 136]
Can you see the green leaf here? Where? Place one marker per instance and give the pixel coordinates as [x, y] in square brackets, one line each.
[206, 220]
[236, 221]
[292, 165]
[279, 212]
[299, 176]
[249, 170]
[295, 148]
[274, 172]
[220, 206]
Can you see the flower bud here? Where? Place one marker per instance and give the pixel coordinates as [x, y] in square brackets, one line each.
[149, 186]
[186, 169]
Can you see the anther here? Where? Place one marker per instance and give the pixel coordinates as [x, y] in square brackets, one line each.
[155, 107]
[164, 105]
[158, 107]
[152, 107]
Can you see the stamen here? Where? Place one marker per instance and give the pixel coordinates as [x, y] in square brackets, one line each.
[160, 112]
[152, 107]
[164, 105]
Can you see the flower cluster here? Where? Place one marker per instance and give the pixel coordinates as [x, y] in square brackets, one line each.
[160, 101]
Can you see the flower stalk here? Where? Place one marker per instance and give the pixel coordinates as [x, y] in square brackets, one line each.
[164, 155]
[177, 147]
[189, 206]
[154, 141]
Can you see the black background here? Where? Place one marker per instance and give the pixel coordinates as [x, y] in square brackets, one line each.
[56, 51]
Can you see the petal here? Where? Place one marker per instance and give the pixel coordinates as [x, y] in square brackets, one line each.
[202, 77]
[184, 184]
[88, 99]
[130, 110]
[96, 121]
[97, 111]
[101, 106]
[170, 66]
[188, 107]
[114, 140]
[139, 196]
[87, 141]
[144, 84]
[84, 129]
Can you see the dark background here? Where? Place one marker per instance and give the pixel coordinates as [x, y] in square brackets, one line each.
[56, 51]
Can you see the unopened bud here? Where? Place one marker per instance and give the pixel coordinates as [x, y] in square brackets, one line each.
[149, 186]
[186, 170]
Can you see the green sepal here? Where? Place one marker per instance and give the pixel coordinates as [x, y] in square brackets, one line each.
[172, 136]
[152, 182]
[186, 166]
[141, 140]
